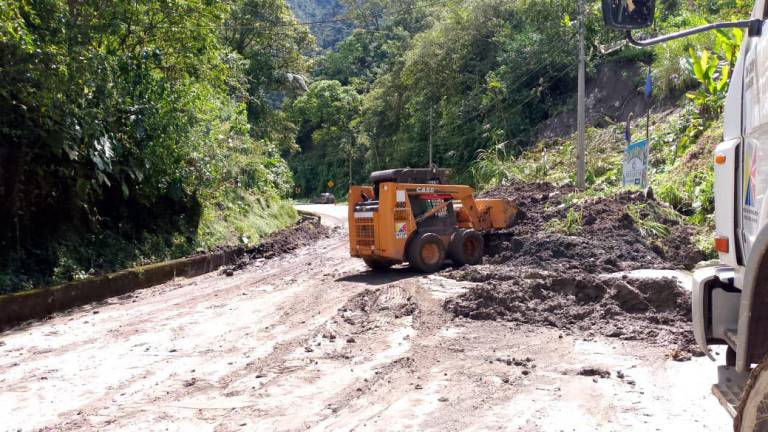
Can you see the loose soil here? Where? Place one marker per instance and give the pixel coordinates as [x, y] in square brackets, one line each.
[313, 340]
[535, 275]
[307, 231]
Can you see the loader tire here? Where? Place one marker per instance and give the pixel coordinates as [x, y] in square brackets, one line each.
[752, 412]
[377, 265]
[466, 248]
[426, 253]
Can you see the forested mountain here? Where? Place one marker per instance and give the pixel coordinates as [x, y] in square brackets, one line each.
[136, 132]
[478, 76]
[328, 28]
[474, 73]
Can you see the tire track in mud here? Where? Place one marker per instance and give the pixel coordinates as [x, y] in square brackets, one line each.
[398, 380]
[389, 358]
[349, 353]
[189, 305]
[282, 361]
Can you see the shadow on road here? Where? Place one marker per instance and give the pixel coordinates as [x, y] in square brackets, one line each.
[380, 277]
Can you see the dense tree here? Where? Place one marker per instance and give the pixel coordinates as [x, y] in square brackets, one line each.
[329, 136]
[134, 117]
[486, 73]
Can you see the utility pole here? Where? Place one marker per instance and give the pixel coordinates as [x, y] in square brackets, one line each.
[430, 137]
[351, 153]
[581, 110]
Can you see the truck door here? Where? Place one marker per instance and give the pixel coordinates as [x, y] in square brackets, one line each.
[753, 178]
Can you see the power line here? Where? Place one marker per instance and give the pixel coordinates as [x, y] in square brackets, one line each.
[518, 107]
[513, 109]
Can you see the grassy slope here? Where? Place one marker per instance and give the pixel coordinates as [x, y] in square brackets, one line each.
[681, 177]
[234, 220]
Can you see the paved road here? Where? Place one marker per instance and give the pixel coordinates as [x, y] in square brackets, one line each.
[332, 215]
[312, 340]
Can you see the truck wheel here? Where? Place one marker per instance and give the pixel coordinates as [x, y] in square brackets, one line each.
[752, 412]
[466, 247]
[377, 265]
[426, 253]
[730, 357]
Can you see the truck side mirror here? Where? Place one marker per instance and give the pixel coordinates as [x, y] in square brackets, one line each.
[628, 14]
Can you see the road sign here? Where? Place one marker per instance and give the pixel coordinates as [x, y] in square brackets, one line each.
[330, 184]
[636, 164]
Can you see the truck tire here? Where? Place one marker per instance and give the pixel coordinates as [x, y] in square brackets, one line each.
[426, 253]
[752, 412]
[377, 265]
[466, 248]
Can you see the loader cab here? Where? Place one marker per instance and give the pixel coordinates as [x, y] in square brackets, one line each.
[424, 201]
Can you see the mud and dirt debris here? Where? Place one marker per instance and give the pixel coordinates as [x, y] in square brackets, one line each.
[594, 372]
[656, 311]
[389, 300]
[512, 361]
[536, 276]
[608, 238]
[306, 231]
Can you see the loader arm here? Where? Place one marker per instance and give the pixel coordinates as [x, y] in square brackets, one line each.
[482, 214]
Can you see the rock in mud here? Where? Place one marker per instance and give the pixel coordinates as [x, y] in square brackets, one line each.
[594, 372]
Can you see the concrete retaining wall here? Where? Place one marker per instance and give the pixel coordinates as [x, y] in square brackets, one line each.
[40, 303]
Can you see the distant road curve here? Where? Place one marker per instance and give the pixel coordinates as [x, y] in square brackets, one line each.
[331, 214]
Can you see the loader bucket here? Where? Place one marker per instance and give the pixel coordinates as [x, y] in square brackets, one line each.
[502, 212]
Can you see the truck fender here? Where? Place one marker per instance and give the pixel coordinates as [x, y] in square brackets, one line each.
[715, 306]
[699, 307]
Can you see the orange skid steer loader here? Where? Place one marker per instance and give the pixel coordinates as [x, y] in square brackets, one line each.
[411, 215]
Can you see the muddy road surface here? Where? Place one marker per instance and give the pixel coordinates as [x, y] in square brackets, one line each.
[313, 341]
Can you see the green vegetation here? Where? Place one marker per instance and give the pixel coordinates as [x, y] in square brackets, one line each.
[570, 225]
[133, 132]
[328, 29]
[480, 77]
[137, 132]
[646, 223]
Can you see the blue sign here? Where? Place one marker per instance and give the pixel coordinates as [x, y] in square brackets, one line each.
[636, 164]
[649, 85]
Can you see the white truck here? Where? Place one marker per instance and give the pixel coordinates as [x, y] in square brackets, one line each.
[730, 301]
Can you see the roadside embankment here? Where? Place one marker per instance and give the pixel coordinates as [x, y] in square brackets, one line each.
[40, 303]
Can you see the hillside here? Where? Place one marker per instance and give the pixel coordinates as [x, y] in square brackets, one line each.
[314, 11]
[492, 84]
[166, 140]
[137, 133]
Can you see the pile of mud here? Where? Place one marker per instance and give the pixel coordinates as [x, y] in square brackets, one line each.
[650, 310]
[608, 238]
[307, 231]
[535, 275]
